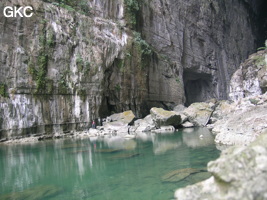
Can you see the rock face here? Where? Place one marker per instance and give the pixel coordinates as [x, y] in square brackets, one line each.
[197, 37]
[251, 78]
[239, 173]
[241, 121]
[163, 117]
[64, 67]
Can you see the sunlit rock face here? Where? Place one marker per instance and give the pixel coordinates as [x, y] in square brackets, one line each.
[62, 68]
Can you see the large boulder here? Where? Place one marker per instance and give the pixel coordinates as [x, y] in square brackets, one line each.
[125, 117]
[163, 117]
[239, 173]
[118, 123]
[144, 125]
[243, 123]
[199, 113]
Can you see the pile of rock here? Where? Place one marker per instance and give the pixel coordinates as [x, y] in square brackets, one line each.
[158, 121]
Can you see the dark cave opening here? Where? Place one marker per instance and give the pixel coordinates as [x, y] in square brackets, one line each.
[263, 21]
[198, 87]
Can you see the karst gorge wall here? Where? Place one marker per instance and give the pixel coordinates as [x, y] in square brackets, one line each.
[63, 67]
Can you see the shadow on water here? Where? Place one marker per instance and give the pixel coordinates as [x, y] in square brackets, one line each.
[152, 166]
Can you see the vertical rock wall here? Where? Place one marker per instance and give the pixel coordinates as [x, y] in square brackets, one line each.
[53, 66]
[206, 39]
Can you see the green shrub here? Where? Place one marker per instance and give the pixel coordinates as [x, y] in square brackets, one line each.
[3, 90]
[132, 8]
[145, 47]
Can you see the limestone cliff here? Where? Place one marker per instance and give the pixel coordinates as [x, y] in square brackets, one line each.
[67, 65]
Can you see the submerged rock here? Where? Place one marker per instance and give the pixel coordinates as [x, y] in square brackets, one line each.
[163, 117]
[178, 175]
[239, 173]
[125, 156]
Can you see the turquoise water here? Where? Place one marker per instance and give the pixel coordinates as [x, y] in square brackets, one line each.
[107, 168]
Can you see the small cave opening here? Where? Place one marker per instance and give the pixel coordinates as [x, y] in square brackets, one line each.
[198, 87]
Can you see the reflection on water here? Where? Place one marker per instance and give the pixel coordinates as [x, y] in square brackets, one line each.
[123, 168]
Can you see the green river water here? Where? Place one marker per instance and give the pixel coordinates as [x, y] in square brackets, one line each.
[107, 168]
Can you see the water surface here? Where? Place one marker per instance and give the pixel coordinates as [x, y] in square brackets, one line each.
[107, 168]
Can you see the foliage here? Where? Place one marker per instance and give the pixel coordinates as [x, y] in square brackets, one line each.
[81, 6]
[117, 87]
[51, 40]
[62, 85]
[132, 8]
[145, 47]
[41, 73]
[3, 90]
[263, 48]
[79, 63]
[259, 60]
[254, 101]
[82, 93]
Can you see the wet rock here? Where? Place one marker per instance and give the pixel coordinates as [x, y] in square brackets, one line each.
[107, 150]
[199, 113]
[125, 156]
[163, 117]
[239, 173]
[178, 175]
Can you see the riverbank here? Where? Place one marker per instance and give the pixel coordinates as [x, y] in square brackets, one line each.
[232, 122]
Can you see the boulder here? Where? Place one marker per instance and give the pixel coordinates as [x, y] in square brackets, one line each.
[163, 117]
[179, 108]
[144, 125]
[117, 124]
[126, 117]
[199, 113]
[239, 173]
[222, 109]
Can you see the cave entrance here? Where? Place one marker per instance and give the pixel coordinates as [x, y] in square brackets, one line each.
[198, 87]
